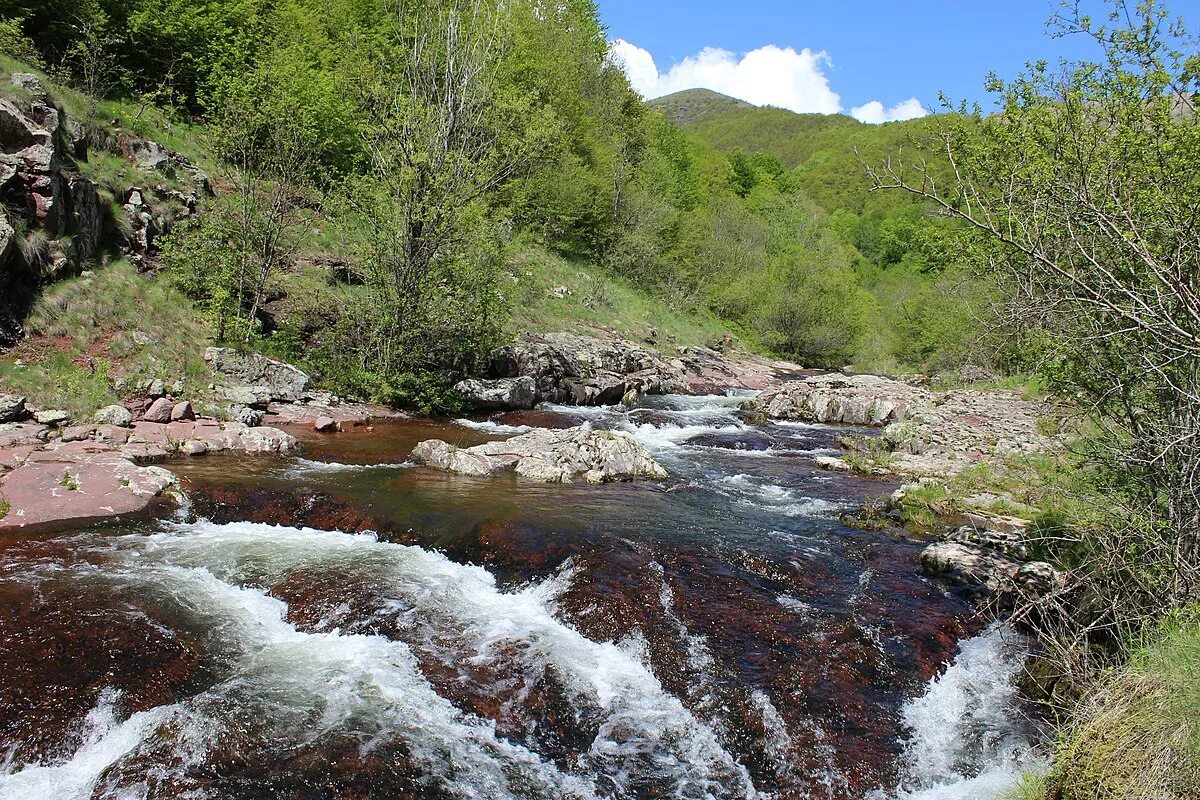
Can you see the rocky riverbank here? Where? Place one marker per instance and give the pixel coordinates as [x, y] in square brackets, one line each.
[933, 437]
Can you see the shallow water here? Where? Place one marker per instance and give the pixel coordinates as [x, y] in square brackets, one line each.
[344, 624]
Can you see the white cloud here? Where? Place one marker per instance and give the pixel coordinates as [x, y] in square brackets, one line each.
[874, 112]
[768, 76]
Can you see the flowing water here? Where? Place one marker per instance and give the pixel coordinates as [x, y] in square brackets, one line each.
[346, 625]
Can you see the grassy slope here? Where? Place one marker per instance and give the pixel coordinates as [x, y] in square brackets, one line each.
[689, 106]
[596, 301]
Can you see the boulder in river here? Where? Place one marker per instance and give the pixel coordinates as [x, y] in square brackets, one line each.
[501, 394]
[551, 456]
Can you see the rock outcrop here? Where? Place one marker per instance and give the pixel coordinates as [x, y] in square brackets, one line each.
[935, 434]
[250, 379]
[848, 399]
[989, 564]
[607, 369]
[551, 456]
[501, 394]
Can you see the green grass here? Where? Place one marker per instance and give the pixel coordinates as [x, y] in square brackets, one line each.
[5, 507]
[87, 331]
[597, 300]
[1032, 786]
[1138, 735]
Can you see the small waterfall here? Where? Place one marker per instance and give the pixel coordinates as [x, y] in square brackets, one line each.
[968, 736]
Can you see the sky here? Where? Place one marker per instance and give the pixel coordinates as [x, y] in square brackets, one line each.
[878, 60]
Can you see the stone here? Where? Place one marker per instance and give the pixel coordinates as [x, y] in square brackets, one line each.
[325, 425]
[159, 411]
[549, 456]
[53, 417]
[12, 408]
[157, 388]
[193, 447]
[77, 433]
[118, 416]
[246, 415]
[970, 565]
[182, 411]
[261, 375]
[849, 399]
[501, 394]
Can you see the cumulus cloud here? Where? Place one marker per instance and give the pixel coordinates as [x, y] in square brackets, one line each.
[768, 76]
[771, 75]
[874, 112]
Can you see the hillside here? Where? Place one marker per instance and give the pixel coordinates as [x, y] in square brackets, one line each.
[692, 106]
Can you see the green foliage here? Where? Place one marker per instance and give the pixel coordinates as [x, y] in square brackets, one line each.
[1138, 734]
[5, 507]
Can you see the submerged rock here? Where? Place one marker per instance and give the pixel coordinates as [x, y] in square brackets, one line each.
[551, 456]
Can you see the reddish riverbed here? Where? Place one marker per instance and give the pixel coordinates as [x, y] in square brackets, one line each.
[345, 625]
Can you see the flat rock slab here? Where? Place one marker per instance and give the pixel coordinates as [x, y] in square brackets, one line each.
[78, 484]
[346, 415]
[550, 456]
[848, 399]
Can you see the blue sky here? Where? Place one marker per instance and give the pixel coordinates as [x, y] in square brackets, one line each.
[847, 55]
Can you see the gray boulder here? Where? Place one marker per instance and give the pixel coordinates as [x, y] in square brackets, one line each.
[550, 456]
[12, 408]
[118, 416]
[53, 417]
[256, 375]
[501, 394]
[850, 399]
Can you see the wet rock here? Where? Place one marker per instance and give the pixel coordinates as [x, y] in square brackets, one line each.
[325, 425]
[551, 456]
[53, 417]
[12, 408]
[501, 394]
[118, 416]
[182, 411]
[159, 411]
[246, 415]
[258, 376]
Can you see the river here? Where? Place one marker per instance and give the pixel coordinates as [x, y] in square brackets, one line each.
[346, 625]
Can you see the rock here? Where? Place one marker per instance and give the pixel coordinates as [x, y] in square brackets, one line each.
[157, 388]
[182, 411]
[850, 399]
[193, 447]
[54, 417]
[257, 373]
[159, 411]
[1010, 543]
[1038, 578]
[970, 565]
[325, 425]
[501, 394]
[12, 408]
[77, 483]
[246, 415]
[118, 416]
[77, 433]
[551, 456]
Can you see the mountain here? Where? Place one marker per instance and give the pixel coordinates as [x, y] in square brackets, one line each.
[690, 106]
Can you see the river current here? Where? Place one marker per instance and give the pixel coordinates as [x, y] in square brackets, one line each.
[347, 625]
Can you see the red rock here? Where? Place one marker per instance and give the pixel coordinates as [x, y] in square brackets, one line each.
[325, 424]
[182, 411]
[78, 432]
[74, 484]
[159, 411]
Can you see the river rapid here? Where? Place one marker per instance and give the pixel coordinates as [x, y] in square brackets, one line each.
[347, 625]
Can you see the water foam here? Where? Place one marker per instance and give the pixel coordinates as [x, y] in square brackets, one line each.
[646, 736]
[497, 428]
[968, 738]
